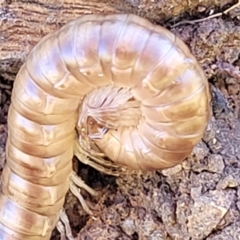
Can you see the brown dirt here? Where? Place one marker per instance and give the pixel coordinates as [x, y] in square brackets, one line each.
[199, 199]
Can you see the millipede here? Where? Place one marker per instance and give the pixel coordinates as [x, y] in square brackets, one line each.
[114, 90]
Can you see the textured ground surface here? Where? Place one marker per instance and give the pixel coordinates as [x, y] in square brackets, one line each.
[199, 199]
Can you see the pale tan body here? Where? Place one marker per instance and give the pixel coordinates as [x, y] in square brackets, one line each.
[147, 107]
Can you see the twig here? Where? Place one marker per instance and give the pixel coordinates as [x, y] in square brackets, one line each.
[209, 17]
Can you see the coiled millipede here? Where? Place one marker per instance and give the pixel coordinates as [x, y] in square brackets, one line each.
[113, 86]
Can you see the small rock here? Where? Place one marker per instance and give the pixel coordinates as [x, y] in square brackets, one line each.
[200, 150]
[228, 181]
[214, 163]
[196, 192]
[207, 211]
[172, 171]
[128, 226]
[231, 232]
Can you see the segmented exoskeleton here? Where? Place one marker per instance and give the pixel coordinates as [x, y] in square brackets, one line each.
[113, 86]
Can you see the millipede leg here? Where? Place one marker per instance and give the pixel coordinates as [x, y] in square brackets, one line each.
[81, 184]
[76, 192]
[61, 230]
[67, 228]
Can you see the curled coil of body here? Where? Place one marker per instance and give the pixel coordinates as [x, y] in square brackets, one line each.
[131, 89]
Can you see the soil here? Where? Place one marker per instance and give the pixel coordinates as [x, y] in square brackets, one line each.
[198, 199]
